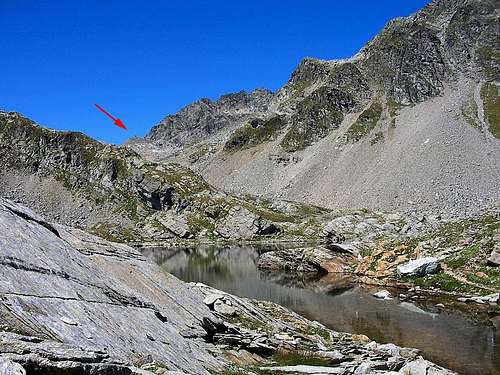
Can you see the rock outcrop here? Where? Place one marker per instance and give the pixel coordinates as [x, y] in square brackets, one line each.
[304, 260]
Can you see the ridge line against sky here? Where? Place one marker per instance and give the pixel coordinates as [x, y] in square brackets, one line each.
[142, 63]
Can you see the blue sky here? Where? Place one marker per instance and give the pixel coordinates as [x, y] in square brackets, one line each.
[142, 60]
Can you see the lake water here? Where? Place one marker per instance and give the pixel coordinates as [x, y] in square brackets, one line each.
[466, 344]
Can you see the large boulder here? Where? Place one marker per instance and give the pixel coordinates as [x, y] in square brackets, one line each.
[241, 223]
[419, 267]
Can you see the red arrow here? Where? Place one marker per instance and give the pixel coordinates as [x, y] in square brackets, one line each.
[117, 121]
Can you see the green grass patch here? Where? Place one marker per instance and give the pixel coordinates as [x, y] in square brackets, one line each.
[489, 59]
[487, 276]
[442, 281]
[293, 358]
[257, 131]
[365, 123]
[465, 256]
[313, 120]
[491, 105]
[379, 136]
[250, 323]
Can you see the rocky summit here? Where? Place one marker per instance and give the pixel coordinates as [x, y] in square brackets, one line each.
[409, 123]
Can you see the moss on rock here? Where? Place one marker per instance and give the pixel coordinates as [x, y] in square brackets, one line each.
[366, 122]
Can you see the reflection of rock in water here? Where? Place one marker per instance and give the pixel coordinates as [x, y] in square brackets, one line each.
[449, 338]
[326, 283]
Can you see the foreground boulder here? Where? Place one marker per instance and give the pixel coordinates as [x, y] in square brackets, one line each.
[311, 259]
[419, 267]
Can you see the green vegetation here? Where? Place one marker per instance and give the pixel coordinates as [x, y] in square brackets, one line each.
[469, 113]
[487, 276]
[463, 258]
[365, 123]
[293, 358]
[257, 131]
[471, 241]
[379, 136]
[443, 281]
[314, 118]
[198, 222]
[489, 59]
[321, 332]
[491, 105]
[114, 233]
[249, 322]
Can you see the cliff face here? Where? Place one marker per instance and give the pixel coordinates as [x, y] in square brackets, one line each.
[411, 121]
[115, 193]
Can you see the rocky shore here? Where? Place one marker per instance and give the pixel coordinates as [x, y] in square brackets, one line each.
[74, 303]
[391, 268]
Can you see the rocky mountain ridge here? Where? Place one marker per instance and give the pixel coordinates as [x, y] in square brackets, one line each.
[407, 123]
[115, 193]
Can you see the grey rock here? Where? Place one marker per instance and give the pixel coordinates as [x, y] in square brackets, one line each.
[494, 258]
[419, 267]
[224, 308]
[423, 367]
[243, 224]
[383, 294]
[212, 298]
[11, 368]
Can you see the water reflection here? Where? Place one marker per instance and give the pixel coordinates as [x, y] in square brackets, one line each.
[447, 338]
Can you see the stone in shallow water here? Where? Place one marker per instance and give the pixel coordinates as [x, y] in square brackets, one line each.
[419, 267]
[383, 294]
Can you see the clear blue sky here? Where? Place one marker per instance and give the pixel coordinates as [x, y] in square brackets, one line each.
[142, 60]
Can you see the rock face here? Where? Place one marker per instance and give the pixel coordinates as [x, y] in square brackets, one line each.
[369, 131]
[241, 223]
[419, 267]
[71, 302]
[313, 259]
[210, 116]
